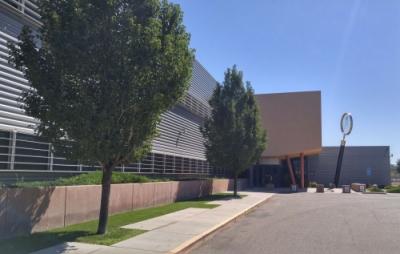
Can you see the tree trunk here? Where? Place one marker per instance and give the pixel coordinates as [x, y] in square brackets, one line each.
[105, 198]
[235, 185]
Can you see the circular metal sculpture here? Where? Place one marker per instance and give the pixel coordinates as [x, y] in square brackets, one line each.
[346, 124]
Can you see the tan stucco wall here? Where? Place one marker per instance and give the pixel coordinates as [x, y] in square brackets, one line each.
[293, 123]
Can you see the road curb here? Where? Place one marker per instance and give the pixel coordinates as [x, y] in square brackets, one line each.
[187, 244]
[379, 193]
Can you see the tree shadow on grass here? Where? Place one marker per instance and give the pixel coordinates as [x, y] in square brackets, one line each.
[41, 240]
[37, 241]
[222, 196]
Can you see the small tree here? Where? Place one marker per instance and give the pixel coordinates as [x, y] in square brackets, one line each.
[233, 134]
[102, 73]
[398, 166]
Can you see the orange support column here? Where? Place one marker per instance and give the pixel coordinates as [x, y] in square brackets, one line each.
[291, 170]
[302, 169]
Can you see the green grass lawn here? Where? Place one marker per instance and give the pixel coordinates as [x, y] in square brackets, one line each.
[393, 189]
[375, 189]
[86, 232]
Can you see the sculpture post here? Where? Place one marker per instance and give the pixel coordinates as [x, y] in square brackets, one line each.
[346, 126]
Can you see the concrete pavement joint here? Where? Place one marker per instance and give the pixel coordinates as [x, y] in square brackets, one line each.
[124, 248]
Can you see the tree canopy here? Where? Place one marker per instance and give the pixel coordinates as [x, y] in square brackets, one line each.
[234, 136]
[102, 73]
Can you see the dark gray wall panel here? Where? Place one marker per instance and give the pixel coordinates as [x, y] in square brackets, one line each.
[358, 161]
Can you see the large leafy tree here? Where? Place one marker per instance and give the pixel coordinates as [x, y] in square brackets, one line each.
[102, 73]
[233, 135]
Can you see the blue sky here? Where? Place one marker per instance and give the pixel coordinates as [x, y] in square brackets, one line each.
[347, 49]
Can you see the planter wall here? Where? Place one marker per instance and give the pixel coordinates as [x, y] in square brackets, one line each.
[27, 210]
[359, 187]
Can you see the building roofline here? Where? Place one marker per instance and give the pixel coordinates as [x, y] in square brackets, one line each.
[360, 146]
[205, 70]
[292, 92]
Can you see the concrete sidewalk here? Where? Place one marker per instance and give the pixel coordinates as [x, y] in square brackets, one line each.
[173, 232]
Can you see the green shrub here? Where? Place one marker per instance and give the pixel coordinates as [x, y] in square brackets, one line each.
[375, 189]
[33, 184]
[89, 179]
[312, 185]
[393, 188]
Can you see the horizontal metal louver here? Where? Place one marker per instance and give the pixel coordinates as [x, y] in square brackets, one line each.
[201, 88]
[12, 84]
[196, 106]
[27, 8]
[180, 135]
[178, 149]
[202, 84]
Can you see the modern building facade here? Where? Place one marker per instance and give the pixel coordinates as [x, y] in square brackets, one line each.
[295, 154]
[178, 149]
[293, 124]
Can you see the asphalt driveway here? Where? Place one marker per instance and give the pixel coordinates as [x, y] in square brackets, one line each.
[313, 223]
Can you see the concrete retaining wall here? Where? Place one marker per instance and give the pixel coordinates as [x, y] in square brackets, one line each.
[27, 210]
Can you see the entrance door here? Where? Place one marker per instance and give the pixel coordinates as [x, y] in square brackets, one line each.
[275, 174]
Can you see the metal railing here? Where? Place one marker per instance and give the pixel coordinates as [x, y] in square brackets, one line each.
[23, 152]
